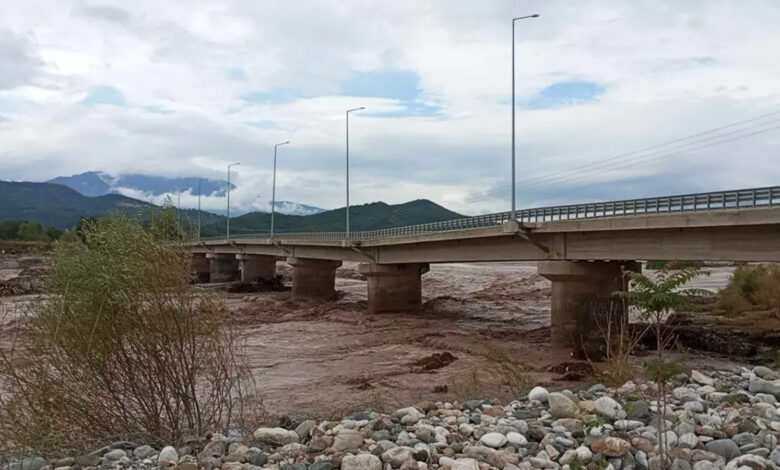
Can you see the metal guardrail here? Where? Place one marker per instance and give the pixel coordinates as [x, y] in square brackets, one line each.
[716, 201]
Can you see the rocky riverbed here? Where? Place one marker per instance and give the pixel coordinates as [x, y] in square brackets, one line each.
[714, 420]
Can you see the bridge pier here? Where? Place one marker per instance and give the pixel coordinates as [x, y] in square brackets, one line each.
[254, 267]
[394, 287]
[314, 278]
[581, 298]
[201, 267]
[224, 267]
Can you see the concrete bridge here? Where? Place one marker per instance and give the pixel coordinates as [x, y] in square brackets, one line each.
[583, 249]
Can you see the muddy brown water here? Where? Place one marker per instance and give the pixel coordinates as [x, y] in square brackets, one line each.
[325, 359]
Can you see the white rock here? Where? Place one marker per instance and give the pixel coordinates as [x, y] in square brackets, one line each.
[628, 424]
[608, 407]
[688, 441]
[516, 438]
[459, 464]
[275, 436]
[494, 440]
[700, 378]
[361, 462]
[584, 454]
[397, 456]
[538, 394]
[168, 454]
[562, 406]
[409, 415]
[347, 439]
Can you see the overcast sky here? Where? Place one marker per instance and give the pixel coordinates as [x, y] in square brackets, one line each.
[182, 88]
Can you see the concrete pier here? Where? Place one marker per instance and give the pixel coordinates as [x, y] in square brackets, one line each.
[394, 287]
[314, 278]
[224, 267]
[254, 267]
[201, 268]
[582, 293]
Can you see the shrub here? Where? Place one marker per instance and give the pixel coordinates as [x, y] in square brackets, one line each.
[123, 348]
[751, 287]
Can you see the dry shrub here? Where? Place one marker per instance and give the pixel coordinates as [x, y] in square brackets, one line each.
[124, 348]
[617, 341]
[503, 369]
[750, 288]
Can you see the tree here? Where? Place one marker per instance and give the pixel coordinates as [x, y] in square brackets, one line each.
[655, 298]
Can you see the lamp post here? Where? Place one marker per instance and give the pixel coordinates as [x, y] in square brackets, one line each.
[273, 188]
[227, 232]
[349, 111]
[514, 199]
[199, 181]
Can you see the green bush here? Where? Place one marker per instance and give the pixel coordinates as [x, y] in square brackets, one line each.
[124, 347]
[751, 287]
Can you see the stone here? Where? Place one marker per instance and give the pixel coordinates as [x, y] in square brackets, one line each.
[775, 456]
[726, 448]
[304, 429]
[143, 452]
[638, 410]
[275, 436]
[754, 462]
[515, 438]
[347, 439]
[562, 406]
[114, 455]
[765, 386]
[701, 379]
[168, 454]
[409, 415]
[90, 460]
[257, 457]
[688, 441]
[397, 456]
[233, 466]
[611, 446]
[608, 407]
[493, 440]
[583, 454]
[459, 464]
[680, 464]
[320, 443]
[361, 462]
[764, 372]
[538, 394]
[574, 426]
[321, 465]
[627, 424]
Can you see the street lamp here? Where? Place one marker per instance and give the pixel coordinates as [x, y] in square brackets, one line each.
[273, 190]
[349, 111]
[514, 199]
[227, 232]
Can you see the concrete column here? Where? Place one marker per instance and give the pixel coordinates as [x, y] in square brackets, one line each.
[224, 267]
[314, 278]
[201, 267]
[254, 267]
[581, 297]
[394, 287]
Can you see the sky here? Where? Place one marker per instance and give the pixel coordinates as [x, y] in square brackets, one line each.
[182, 88]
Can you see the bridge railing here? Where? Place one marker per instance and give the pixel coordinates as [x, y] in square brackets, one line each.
[715, 201]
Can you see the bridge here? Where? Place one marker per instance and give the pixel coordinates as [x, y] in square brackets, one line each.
[583, 249]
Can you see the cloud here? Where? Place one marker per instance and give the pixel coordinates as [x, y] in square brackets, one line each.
[181, 91]
[20, 61]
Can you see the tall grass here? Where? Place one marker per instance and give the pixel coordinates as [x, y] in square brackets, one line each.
[751, 288]
[124, 347]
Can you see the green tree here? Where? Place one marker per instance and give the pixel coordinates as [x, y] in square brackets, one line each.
[656, 298]
[31, 231]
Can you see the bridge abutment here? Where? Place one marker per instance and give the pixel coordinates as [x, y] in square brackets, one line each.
[254, 267]
[201, 267]
[314, 278]
[583, 302]
[394, 287]
[223, 267]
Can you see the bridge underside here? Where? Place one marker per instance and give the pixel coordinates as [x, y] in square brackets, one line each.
[582, 258]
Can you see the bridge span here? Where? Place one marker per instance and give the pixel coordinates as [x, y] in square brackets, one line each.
[583, 249]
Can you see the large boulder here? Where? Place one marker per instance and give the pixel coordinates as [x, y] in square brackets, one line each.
[275, 436]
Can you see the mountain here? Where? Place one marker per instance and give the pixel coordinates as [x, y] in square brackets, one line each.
[97, 183]
[55, 205]
[373, 216]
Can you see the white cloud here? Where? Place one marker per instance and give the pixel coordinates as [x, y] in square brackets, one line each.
[669, 69]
